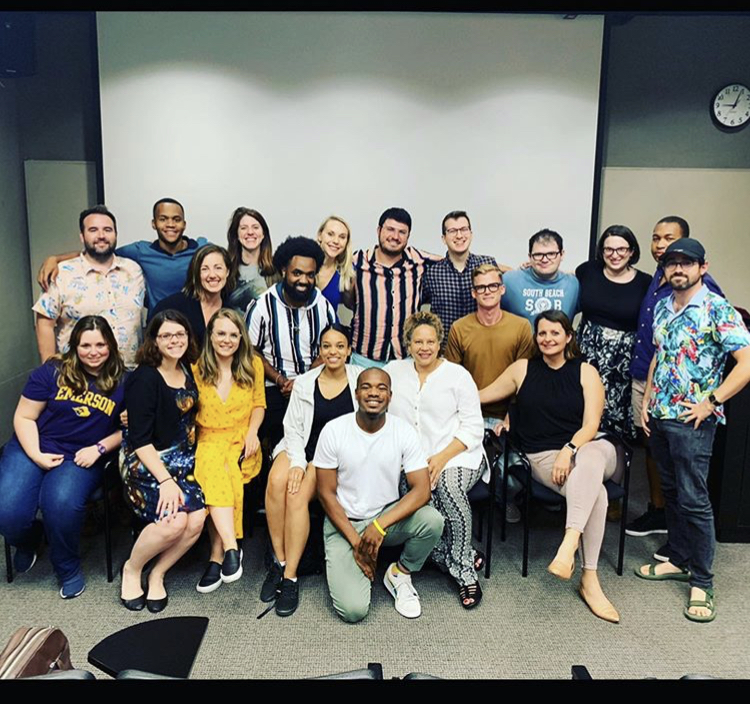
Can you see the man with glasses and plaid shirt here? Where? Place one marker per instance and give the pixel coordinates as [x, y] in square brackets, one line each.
[447, 284]
[541, 286]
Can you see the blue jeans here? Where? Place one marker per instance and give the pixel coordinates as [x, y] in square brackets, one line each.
[684, 455]
[62, 494]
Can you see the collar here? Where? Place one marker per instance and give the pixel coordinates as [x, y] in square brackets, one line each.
[191, 244]
[532, 274]
[695, 301]
[406, 255]
[277, 292]
[469, 261]
[86, 266]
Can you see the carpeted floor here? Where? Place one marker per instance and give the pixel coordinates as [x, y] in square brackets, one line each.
[525, 628]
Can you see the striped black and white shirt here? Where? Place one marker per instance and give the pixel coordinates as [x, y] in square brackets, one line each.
[288, 338]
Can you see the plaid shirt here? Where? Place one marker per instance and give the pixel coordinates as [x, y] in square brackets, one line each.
[384, 298]
[448, 291]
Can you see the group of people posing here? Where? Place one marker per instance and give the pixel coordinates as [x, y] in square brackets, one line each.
[243, 358]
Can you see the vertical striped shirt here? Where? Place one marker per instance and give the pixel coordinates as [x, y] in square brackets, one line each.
[288, 338]
[384, 298]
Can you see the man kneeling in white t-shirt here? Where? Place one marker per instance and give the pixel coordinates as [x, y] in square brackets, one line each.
[366, 451]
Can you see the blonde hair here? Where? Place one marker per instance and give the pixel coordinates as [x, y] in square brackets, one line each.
[422, 317]
[486, 269]
[344, 260]
[242, 362]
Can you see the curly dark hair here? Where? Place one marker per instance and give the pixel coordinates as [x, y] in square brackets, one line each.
[298, 247]
[149, 354]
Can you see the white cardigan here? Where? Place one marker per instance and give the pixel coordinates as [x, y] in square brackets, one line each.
[298, 419]
[446, 407]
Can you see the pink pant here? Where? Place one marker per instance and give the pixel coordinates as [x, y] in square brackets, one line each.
[584, 491]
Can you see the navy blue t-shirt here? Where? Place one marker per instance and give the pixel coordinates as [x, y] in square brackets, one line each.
[71, 421]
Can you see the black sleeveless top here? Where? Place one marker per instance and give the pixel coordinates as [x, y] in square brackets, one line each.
[326, 409]
[549, 406]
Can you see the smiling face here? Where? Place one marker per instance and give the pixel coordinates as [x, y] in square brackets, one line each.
[373, 392]
[617, 253]
[424, 346]
[334, 350]
[333, 238]
[664, 234]
[551, 338]
[169, 222]
[225, 338]
[457, 235]
[682, 272]
[299, 278]
[92, 351]
[545, 257]
[172, 340]
[487, 290]
[250, 233]
[213, 273]
[393, 237]
[99, 237]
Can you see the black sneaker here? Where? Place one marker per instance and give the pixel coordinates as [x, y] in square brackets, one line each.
[664, 554]
[288, 599]
[231, 569]
[272, 582]
[653, 521]
[211, 578]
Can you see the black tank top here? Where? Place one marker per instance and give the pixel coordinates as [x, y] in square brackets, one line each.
[549, 406]
[326, 409]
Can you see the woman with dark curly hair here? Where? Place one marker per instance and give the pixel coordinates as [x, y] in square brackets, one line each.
[160, 397]
[209, 281]
[441, 402]
[67, 419]
[250, 249]
[611, 291]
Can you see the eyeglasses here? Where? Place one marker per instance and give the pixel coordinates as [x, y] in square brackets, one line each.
[167, 336]
[481, 288]
[682, 263]
[541, 256]
[455, 230]
[619, 251]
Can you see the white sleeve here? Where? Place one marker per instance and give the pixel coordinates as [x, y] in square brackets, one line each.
[326, 451]
[294, 431]
[470, 424]
[412, 454]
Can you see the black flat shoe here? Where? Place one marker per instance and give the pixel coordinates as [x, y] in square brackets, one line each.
[157, 605]
[231, 568]
[288, 599]
[272, 583]
[136, 604]
[211, 579]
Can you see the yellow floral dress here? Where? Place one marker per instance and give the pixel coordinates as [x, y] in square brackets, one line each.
[222, 427]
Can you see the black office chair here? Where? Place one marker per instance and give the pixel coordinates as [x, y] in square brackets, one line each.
[110, 478]
[518, 465]
[481, 494]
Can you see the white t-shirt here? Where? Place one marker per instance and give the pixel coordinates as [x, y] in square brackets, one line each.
[369, 464]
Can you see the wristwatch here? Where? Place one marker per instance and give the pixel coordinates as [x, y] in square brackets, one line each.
[713, 400]
[102, 450]
[571, 447]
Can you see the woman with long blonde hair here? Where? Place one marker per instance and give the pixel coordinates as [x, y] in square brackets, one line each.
[231, 406]
[336, 276]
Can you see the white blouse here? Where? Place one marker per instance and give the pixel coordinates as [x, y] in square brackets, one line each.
[446, 407]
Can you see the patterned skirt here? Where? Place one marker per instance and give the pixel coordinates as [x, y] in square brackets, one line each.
[611, 351]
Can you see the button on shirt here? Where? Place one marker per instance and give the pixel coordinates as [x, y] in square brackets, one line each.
[80, 290]
[384, 298]
[643, 352]
[691, 348]
[448, 290]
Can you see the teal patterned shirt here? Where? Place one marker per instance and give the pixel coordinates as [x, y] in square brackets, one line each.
[691, 349]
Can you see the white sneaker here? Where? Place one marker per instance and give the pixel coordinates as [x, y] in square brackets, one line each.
[512, 513]
[402, 590]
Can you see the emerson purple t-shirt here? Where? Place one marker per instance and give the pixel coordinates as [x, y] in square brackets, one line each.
[72, 421]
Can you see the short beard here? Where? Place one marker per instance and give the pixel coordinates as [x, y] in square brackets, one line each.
[100, 257]
[294, 295]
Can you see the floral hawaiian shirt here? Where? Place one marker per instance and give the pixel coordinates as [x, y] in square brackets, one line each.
[81, 290]
[691, 349]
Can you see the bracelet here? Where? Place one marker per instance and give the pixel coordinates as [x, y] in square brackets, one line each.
[380, 530]
[278, 376]
[166, 480]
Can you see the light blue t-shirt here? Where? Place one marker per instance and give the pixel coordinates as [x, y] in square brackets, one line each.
[164, 273]
[527, 295]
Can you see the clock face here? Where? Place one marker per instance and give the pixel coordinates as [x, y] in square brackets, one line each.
[731, 106]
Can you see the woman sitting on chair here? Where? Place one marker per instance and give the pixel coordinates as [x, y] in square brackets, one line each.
[318, 396]
[559, 402]
[439, 400]
[67, 419]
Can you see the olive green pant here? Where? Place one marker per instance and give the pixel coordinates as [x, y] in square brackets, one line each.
[347, 583]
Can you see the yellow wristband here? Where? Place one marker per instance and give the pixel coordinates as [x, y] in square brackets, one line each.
[380, 530]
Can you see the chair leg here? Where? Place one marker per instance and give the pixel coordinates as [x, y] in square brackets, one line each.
[8, 563]
[107, 528]
[623, 518]
[526, 514]
[490, 526]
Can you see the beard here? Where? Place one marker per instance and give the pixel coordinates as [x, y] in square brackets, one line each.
[99, 256]
[294, 294]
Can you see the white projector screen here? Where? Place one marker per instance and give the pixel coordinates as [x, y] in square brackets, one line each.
[300, 115]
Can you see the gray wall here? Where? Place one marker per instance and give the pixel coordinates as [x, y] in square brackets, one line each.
[663, 72]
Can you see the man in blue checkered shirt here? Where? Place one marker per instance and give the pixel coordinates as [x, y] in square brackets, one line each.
[446, 285]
